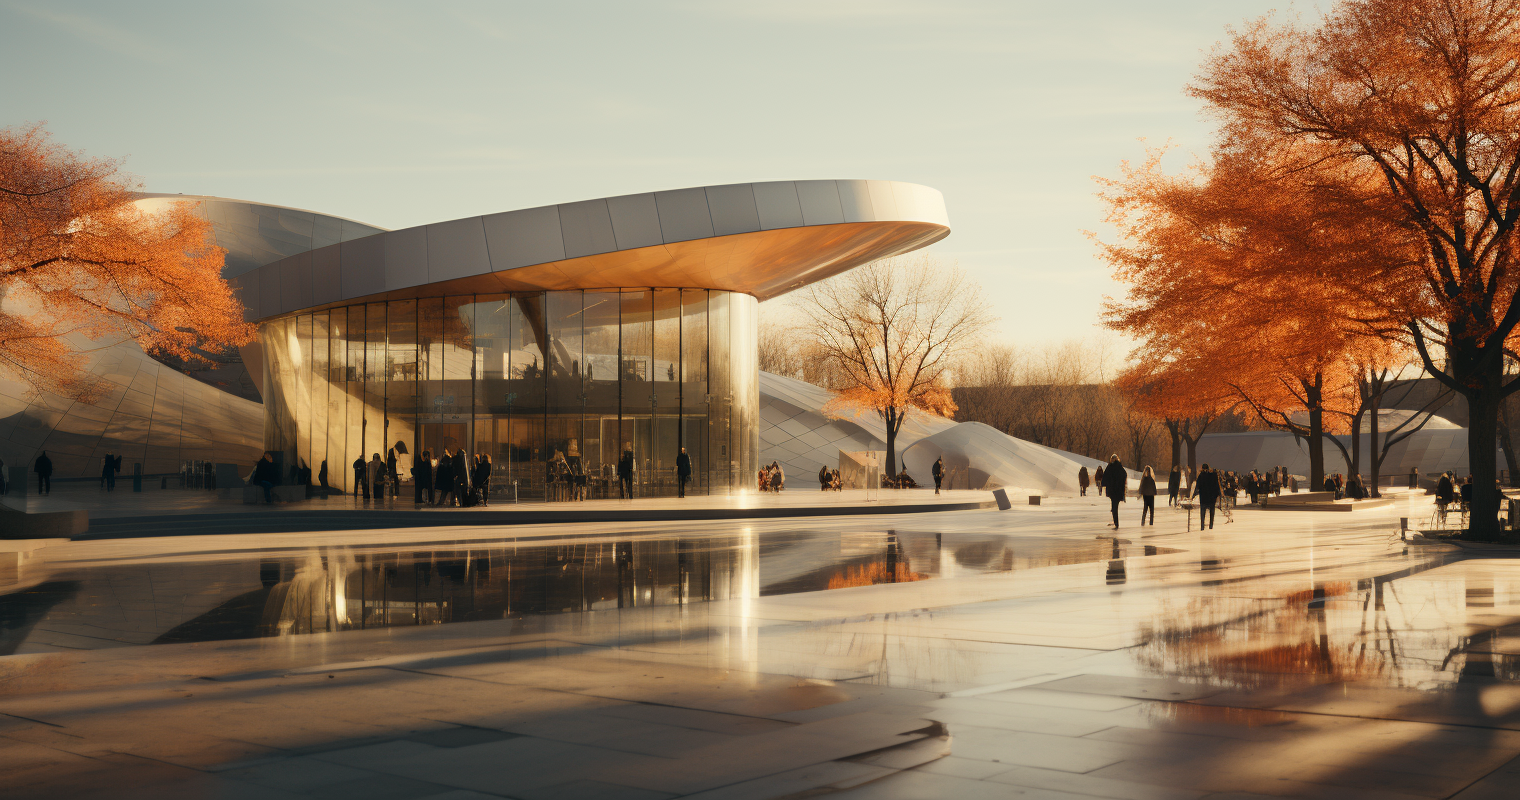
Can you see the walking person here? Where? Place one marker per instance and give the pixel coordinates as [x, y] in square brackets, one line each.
[939, 472]
[108, 467]
[683, 472]
[824, 478]
[1082, 480]
[1148, 496]
[483, 477]
[1207, 490]
[1098, 479]
[44, 469]
[1115, 482]
[1173, 483]
[625, 472]
[322, 477]
[461, 476]
[360, 484]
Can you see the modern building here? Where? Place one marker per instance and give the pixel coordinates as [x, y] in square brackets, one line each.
[555, 339]
[550, 339]
[157, 415]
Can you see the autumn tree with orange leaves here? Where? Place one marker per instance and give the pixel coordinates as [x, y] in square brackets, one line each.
[82, 265]
[1416, 104]
[1235, 289]
[891, 331]
[1186, 394]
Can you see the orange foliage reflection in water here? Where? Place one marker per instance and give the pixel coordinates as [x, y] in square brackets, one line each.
[1251, 643]
[872, 574]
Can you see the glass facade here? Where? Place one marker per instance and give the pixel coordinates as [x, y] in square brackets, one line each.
[545, 383]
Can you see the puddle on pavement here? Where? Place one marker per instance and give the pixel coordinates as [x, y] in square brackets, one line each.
[338, 588]
[1405, 632]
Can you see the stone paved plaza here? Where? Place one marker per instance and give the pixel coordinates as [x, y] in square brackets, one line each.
[959, 654]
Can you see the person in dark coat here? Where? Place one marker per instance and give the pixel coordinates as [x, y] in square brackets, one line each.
[1148, 496]
[109, 466]
[1114, 483]
[360, 484]
[683, 472]
[1445, 490]
[824, 477]
[322, 477]
[422, 477]
[461, 475]
[44, 469]
[444, 479]
[264, 476]
[1098, 479]
[1082, 481]
[1465, 492]
[625, 472]
[483, 476]
[1173, 484]
[390, 470]
[1207, 490]
[939, 472]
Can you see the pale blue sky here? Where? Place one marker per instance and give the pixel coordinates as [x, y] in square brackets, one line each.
[402, 114]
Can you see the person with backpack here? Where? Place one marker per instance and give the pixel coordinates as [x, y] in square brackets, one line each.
[1082, 481]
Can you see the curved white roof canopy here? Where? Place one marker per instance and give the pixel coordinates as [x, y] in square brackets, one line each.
[762, 239]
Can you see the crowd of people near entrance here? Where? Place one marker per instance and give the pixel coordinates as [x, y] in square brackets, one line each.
[1208, 489]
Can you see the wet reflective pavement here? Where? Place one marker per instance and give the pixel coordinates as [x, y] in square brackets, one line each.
[965, 654]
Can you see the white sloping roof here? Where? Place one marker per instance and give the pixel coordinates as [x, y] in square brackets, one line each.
[796, 433]
[996, 459]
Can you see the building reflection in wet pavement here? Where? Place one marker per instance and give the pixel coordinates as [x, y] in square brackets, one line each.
[350, 588]
[975, 655]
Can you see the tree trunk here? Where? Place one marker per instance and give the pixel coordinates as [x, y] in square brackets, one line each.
[1316, 433]
[1482, 431]
[1510, 458]
[894, 419]
[1356, 441]
[1374, 460]
[1192, 448]
[1171, 427]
